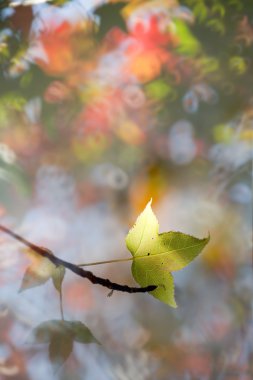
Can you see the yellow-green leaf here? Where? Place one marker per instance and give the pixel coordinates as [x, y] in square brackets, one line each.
[156, 255]
[140, 237]
[146, 273]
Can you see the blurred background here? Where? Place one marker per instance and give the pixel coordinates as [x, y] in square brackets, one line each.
[103, 105]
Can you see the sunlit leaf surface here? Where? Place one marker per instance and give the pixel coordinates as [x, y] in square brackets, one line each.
[156, 255]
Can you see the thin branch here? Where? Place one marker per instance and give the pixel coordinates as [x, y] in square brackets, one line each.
[44, 252]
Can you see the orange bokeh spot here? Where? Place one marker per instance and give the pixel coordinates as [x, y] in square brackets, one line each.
[145, 66]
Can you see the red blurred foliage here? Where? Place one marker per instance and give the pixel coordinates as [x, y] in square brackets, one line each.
[64, 45]
[152, 36]
[57, 44]
[95, 117]
[147, 49]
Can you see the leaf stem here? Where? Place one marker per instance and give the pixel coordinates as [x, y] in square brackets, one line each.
[44, 252]
[106, 262]
[61, 305]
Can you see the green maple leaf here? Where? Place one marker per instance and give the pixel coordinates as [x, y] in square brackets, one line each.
[156, 255]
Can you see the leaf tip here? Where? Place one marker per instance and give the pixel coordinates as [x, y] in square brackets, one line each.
[148, 206]
[149, 203]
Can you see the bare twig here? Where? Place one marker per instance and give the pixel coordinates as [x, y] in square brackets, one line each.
[44, 252]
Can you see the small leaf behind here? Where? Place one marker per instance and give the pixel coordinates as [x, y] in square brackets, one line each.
[81, 333]
[43, 332]
[60, 347]
[58, 276]
[60, 335]
[38, 272]
[31, 279]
